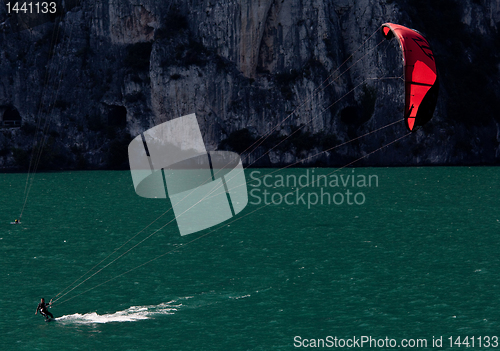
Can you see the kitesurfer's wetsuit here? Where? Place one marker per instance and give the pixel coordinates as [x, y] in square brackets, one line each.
[42, 307]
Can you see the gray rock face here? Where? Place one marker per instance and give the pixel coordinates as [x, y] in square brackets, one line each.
[294, 77]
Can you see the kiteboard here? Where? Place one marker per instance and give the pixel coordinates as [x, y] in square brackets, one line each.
[49, 319]
[15, 223]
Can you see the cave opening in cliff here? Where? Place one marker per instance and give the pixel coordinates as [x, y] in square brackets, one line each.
[11, 117]
[117, 116]
[350, 115]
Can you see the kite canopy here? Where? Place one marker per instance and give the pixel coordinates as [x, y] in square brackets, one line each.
[421, 83]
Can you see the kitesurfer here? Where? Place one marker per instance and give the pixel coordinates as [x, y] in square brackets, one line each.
[16, 221]
[42, 307]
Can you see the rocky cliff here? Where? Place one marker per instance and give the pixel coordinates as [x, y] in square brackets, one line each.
[299, 77]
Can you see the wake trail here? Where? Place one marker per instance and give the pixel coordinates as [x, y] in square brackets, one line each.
[140, 313]
[131, 314]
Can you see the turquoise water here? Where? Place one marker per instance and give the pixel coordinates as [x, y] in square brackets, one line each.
[418, 258]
